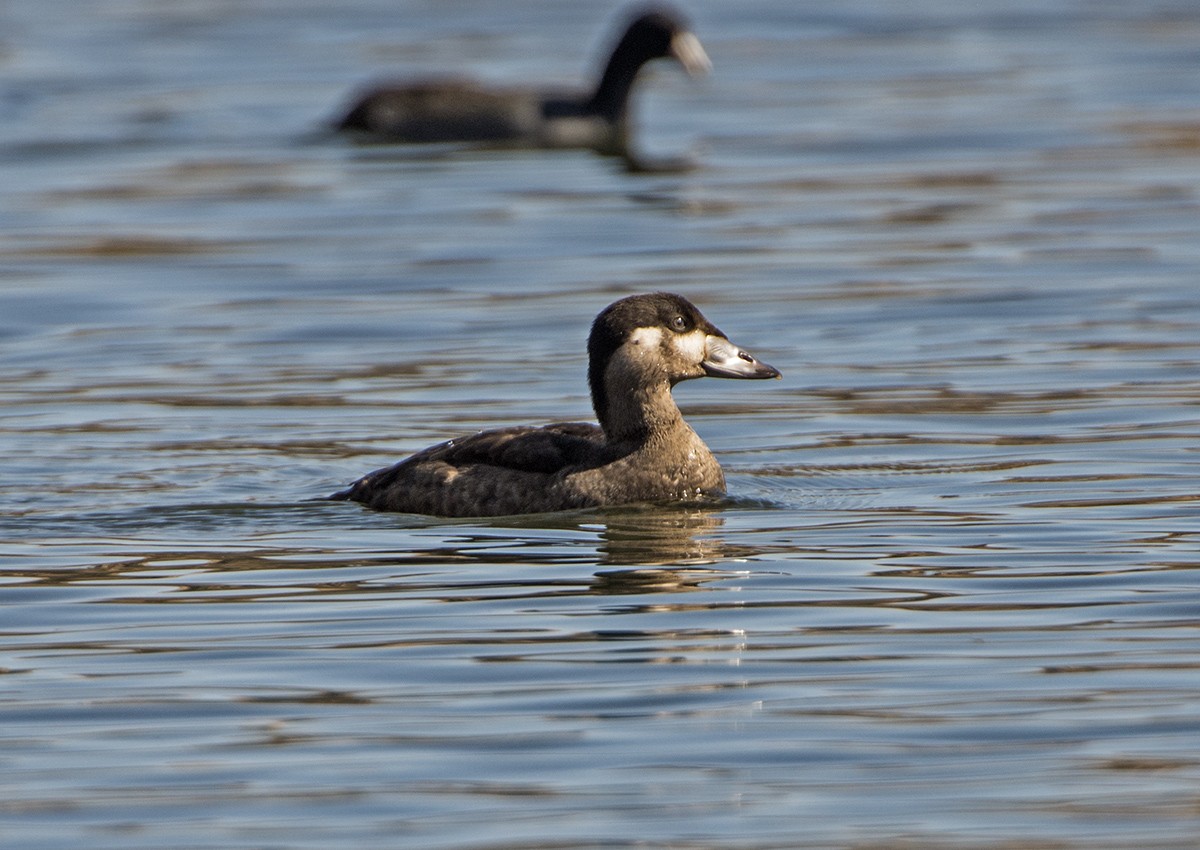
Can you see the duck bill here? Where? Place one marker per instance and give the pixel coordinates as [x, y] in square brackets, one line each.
[723, 359]
[686, 48]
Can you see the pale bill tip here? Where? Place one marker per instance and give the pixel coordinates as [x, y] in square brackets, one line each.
[690, 53]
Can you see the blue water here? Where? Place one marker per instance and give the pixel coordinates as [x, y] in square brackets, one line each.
[952, 601]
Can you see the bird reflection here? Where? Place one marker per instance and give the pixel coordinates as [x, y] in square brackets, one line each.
[651, 536]
[643, 549]
[653, 580]
[667, 550]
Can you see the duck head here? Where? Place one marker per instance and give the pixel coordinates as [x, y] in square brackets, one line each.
[643, 345]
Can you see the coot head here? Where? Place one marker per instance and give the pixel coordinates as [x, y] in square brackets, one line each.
[655, 33]
[662, 32]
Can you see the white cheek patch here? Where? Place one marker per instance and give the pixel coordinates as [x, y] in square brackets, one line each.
[665, 348]
[647, 339]
[691, 346]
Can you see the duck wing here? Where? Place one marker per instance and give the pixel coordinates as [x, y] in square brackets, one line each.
[523, 449]
[504, 471]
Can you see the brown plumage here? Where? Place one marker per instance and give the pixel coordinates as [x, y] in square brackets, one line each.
[643, 450]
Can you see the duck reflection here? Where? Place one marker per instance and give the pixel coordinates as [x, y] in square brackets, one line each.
[656, 536]
[665, 550]
[622, 550]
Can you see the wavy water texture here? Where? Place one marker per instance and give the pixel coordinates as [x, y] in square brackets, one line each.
[949, 601]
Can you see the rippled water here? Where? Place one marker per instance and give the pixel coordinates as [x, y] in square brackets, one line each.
[951, 601]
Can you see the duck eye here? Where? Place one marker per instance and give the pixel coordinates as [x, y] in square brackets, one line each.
[679, 323]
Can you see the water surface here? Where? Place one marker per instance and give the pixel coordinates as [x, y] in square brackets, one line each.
[951, 601]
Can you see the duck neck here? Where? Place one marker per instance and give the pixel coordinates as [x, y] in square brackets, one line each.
[638, 416]
[611, 98]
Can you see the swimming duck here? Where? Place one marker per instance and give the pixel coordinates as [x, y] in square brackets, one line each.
[462, 111]
[642, 450]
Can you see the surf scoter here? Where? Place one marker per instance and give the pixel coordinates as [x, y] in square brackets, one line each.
[642, 450]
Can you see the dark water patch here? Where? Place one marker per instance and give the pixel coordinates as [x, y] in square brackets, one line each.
[120, 247]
